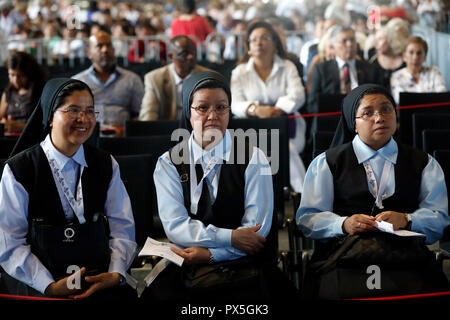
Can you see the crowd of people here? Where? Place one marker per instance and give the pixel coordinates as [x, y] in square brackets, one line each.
[286, 58]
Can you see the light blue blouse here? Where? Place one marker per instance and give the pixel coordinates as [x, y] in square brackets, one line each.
[187, 232]
[316, 219]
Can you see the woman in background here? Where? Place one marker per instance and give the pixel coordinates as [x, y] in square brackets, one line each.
[266, 84]
[26, 80]
[415, 77]
[389, 44]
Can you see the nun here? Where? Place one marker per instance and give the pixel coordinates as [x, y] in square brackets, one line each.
[365, 180]
[214, 208]
[64, 211]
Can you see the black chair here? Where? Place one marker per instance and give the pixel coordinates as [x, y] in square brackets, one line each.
[225, 68]
[6, 146]
[281, 181]
[422, 121]
[141, 69]
[443, 157]
[135, 128]
[435, 139]
[136, 145]
[328, 103]
[405, 130]
[94, 139]
[136, 172]
[321, 142]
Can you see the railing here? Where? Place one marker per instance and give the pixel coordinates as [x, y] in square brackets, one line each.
[212, 49]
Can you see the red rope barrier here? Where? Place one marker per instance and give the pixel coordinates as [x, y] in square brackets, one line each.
[411, 296]
[11, 296]
[309, 115]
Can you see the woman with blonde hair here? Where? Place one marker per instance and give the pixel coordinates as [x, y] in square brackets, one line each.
[325, 52]
[389, 44]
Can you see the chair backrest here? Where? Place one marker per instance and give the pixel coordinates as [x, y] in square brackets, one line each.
[405, 130]
[136, 172]
[94, 139]
[321, 142]
[136, 145]
[135, 128]
[328, 103]
[281, 177]
[422, 121]
[6, 146]
[443, 157]
[435, 139]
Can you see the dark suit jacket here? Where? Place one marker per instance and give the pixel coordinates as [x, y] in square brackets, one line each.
[325, 80]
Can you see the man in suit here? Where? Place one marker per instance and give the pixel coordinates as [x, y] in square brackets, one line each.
[163, 86]
[339, 75]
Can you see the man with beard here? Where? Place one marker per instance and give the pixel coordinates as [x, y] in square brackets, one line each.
[117, 92]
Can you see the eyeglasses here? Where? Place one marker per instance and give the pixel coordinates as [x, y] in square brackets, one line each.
[219, 110]
[370, 114]
[74, 113]
[262, 39]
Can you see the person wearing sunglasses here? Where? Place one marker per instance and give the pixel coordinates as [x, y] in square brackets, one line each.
[364, 179]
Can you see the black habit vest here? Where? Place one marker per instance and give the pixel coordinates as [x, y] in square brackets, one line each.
[228, 209]
[351, 192]
[32, 170]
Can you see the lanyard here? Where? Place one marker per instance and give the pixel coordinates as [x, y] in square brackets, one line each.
[196, 189]
[76, 204]
[378, 192]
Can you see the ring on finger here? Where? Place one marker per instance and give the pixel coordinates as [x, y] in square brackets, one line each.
[359, 225]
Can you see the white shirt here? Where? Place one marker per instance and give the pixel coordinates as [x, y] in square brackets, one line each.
[431, 80]
[15, 253]
[283, 89]
[187, 232]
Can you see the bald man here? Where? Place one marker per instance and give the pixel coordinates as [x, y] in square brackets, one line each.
[162, 98]
[117, 92]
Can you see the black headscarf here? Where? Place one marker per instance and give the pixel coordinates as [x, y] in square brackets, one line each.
[345, 130]
[192, 84]
[38, 125]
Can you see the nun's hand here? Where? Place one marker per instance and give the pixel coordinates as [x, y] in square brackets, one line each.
[247, 240]
[193, 255]
[264, 111]
[359, 223]
[65, 286]
[397, 219]
[99, 282]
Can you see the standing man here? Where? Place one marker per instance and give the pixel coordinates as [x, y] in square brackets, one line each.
[117, 92]
[162, 98]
